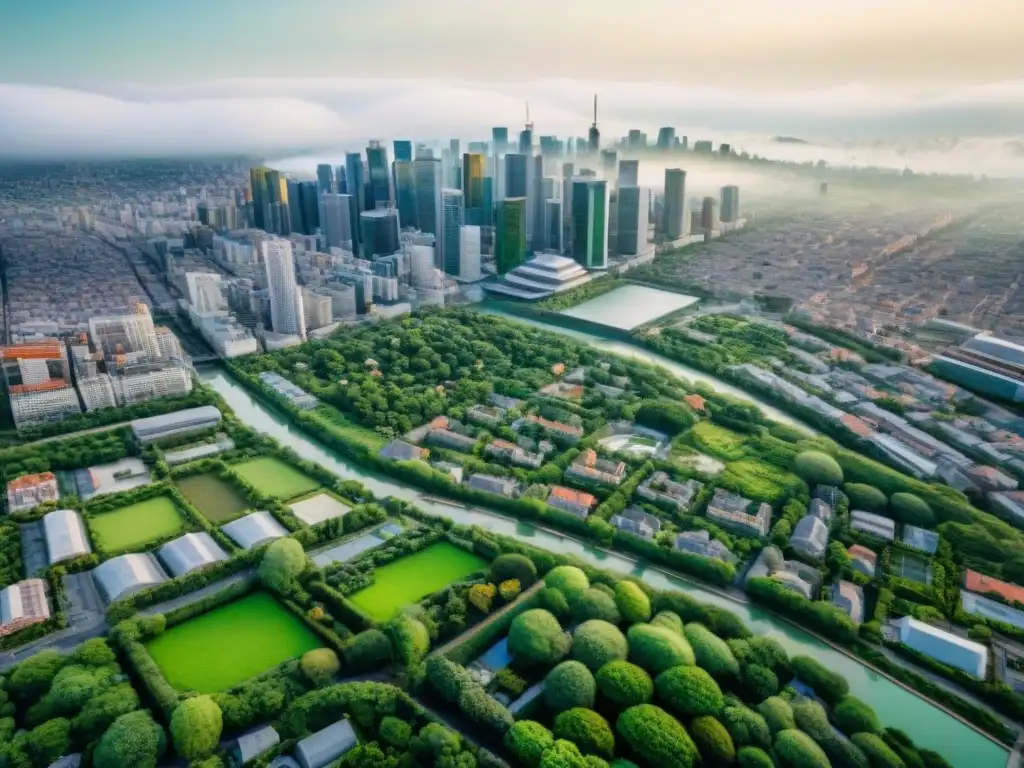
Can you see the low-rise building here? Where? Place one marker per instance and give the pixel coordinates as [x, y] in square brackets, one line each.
[849, 597]
[30, 491]
[875, 525]
[22, 605]
[578, 503]
[453, 470]
[567, 432]
[447, 438]
[920, 538]
[1009, 506]
[589, 466]
[65, 536]
[326, 745]
[399, 450]
[183, 422]
[501, 486]
[701, 543]
[637, 522]
[821, 510]
[991, 479]
[659, 487]
[503, 449]
[980, 583]
[488, 415]
[945, 647]
[810, 537]
[863, 559]
[729, 510]
[293, 393]
[979, 605]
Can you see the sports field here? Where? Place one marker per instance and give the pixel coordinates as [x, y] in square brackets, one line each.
[127, 528]
[272, 477]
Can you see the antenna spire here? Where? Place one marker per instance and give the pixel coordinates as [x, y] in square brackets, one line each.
[595, 109]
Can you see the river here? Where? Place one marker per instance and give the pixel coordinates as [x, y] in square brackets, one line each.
[928, 725]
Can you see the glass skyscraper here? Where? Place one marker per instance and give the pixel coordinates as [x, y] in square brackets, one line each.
[473, 187]
[510, 234]
[403, 149]
[405, 193]
[449, 238]
[515, 175]
[380, 175]
[590, 222]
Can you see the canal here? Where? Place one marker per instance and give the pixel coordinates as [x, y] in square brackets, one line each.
[928, 725]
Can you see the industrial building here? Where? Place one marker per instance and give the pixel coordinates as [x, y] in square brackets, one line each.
[945, 647]
[29, 491]
[65, 534]
[254, 529]
[190, 552]
[125, 575]
[22, 605]
[177, 423]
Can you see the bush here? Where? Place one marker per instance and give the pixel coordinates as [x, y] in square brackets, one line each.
[752, 757]
[513, 566]
[447, 678]
[713, 742]
[633, 604]
[480, 707]
[911, 509]
[777, 714]
[712, 652]
[283, 561]
[746, 727]
[134, 740]
[624, 684]
[509, 590]
[195, 727]
[410, 640]
[370, 649]
[818, 468]
[829, 685]
[46, 742]
[555, 601]
[320, 666]
[656, 737]
[878, 752]
[528, 741]
[395, 732]
[865, 497]
[596, 643]
[758, 683]
[812, 720]
[569, 685]
[594, 603]
[843, 753]
[568, 579]
[668, 620]
[536, 637]
[657, 649]
[565, 754]
[587, 730]
[796, 749]
[851, 715]
[689, 691]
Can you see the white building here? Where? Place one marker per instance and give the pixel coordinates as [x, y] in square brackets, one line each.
[286, 314]
[469, 266]
[65, 535]
[318, 309]
[30, 491]
[142, 383]
[254, 529]
[544, 275]
[944, 647]
[22, 605]
[97, 392]
[190, 552]
[205, 292]
[876, 525]
[126, 574]
[179, 422]
[43, 405]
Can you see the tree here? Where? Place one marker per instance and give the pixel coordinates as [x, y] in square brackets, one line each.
[587, 730]
[746, 727]
[818, 468]
[481, 596]
[395, 732]
[568, 685]
[594, 603]
[633, 604]
[536, 637]
[555, 601]
[46, 742]
[851, 715]
[564, 754]
[866, 497]
[320, 665]
[657, 649]
[668, 620]
[624, 685]
[829, 685]
[758, 683]
[569, 579]
[509, 590]
[689, 691]
[596, 643]
[370, 649]
[528, 741]
[32, 677]
[283, 561]
[712, 652]
[879, 754]
[777, 714]
[656, 737]
[482, 708]
[713, 742]
[368, 755]
[796, 749]
[665, 416]
[409, 639]
[753, 757]
[513, 566]
[810, 718]
[195, 727]
[911, 509]
[134, 740]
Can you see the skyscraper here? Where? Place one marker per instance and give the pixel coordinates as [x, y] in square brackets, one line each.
[629, 173]
[634, 209]
[380, 175]
[450, 237]
[516, 175]
[455, 151]
[708, 215]
[469, 253]
[340, 184]
[590, 222]
[304, 206]
[405, 193]
[526, 135]
[427, 174]
[499, 137]
[325, 178]
[675, 220]
[286, 315]
[667, 138]
[510, 234]
[610, 164]
[473, 187]
[354, 179]
[594, 137]
[379, 232]
[535, 202]
[336, 220]
[553, 225]
[730, 210]
[568, 171]
[403, 149]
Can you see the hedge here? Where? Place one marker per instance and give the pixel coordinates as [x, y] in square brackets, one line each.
[668, 620]
[596, 643]
[657, 649]
[587, 730]
[513, 566]
[829, 685]
[818, 468]
[536, 637]
[568, 685]
[633, 604]
[777, 714]
[752, 757]
[528, 741]
[478, 639]
[594, 603]
[689, 691]
[569, 579]
[795, 749]
[713, 741]
[865, 497]
[878, 752]
[656, 737]
[624, 684]
[746, 726]
[851, 715]
[711, 652]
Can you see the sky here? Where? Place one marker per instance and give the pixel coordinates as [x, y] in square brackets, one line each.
[79, 77]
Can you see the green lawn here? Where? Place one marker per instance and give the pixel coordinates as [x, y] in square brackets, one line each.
[346, 429]
[758, 480]
[218, 501]
[127, 528]
[227, 646]
[408, 579]
[273, 477]
[717, 441]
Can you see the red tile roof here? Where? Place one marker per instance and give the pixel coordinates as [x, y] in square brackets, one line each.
[977, 582]
[695, 401]
[28, 481]
[855, 424]
[577, 497]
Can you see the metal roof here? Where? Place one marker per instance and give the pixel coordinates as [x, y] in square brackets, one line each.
[127, 574]
[254, 529]
[65, 535]
[191, 551]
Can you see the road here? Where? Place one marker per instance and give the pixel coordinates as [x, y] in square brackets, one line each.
[79, 433]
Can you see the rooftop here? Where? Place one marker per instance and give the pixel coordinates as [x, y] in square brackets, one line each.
[977, 582]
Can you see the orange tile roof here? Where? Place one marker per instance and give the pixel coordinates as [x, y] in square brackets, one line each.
[696, 402]
[46, 386]
[863, 553]
[504, 444]
[439, 422]
[28, 481]
[977, 582]
[855, 424]
[43, 350]
[568, 494]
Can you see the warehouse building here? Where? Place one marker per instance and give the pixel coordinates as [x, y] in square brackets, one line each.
[949, 649]
[65, 536]
[254, 529]
[127, 574]
[177, 423]
[190, 552]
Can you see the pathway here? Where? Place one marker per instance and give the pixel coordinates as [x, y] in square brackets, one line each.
[496, 616]
[79, 433]
[191, 597]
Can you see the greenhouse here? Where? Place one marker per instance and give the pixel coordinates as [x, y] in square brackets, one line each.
[189, 552]
[254, 529]
[127, 574]
[65, 535]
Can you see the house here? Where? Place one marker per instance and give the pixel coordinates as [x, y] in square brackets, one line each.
[696, 402]
[701, 543]
[821, 510]
[22, 605]
[454, 471]
[635, 527]
[857, 425]
[979, 605]
[730, 511]
[252, 744]
[489, 415]
[588, 466]
[876, 525]
[920, 538]
[810, 537]
[501, 486]
[575, 502]
[944, 647]
[326, 746]
[566, 431]
[563, 390]
[849, 597]
[29, 491]
[660, 488]
[863, 559]
[446, 437]
[991, 479]
[1009, 506]
[978, 582]
[503, 449]
[399, 450]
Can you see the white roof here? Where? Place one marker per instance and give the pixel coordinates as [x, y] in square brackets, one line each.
[65, 535]
[991, 609]
[176, 420]
[810, 536]
[191, 551]
[326, 746]
[127, 574]
[13, 604]
[950, 649]
[254, 529]
[869, 522]
[318, 508]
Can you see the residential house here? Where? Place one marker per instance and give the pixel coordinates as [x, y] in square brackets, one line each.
[729, 510]
[849, 597]
[503, 401]
[637, 522]
[23, 604]
[575, 502]
[568, 432]
[819, 509]
[563, 390]
[399, 450]
[698, 403]
[589, 466]
[447, 433]
[252, 744]
[500, 486]
[326, 746]
[810, 537]
[29, 491]
[979, 582]
[701, 543]
[945, 647]
[502, 449]
[979, 605]
[454, 471]
[991, 479]
[659, 487]
[489, 415]
[863, 559]
[876, 525]
[1009, 506]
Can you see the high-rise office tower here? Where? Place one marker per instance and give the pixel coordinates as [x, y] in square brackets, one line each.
[454, 180]
[449, 239]
[633, 140]
[516, 166]
[487, 217]
[594, 137]
[568, 172]
[286, 315]
[355, 179]
[336, 220]
[510, 234]
[526, 135]
[405, 193]
[380, 175]
[340, 184]
[304, 206]
[590, 222]
[550, 146]
[634, 211]
[675, 220]
[730, 210]
[629, 173]
[535, 203]
[609, 164]
[270, 200]
[553, 225]
[708, 215]
[325, 178]
[429, 183]
[499, 138]
[473, 187]
[379, 232]
[403, 149]
[667, 138]
[469, 253]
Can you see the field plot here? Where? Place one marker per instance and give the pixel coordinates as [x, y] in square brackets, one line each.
[318, 508]
[273, 477]
[230, 644]
[215, 499]
[408, 579]
[127, 528]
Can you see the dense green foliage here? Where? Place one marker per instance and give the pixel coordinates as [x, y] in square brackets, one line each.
[513, 566]
[878, 752]
[568, 579]
[596, 643]
[410, 639]
[865, 497]
[587, 730]
[594, 604]
[320, 665]
[528, 741]
[795, 749]
[911, 509]
[818, 468]
[132, 741]
[568, 685]
[712, 652]
[829, 685]
[777, 713]
[689, 691]
[668, 620]
[536, 637]
[758, 683]
[746, 726]
[657, 648]
[656, 737]
[633, 604]
[752, 757]
[851, 715]
[713, 741]
[195, 727]
[624, 685]
[283, 561]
